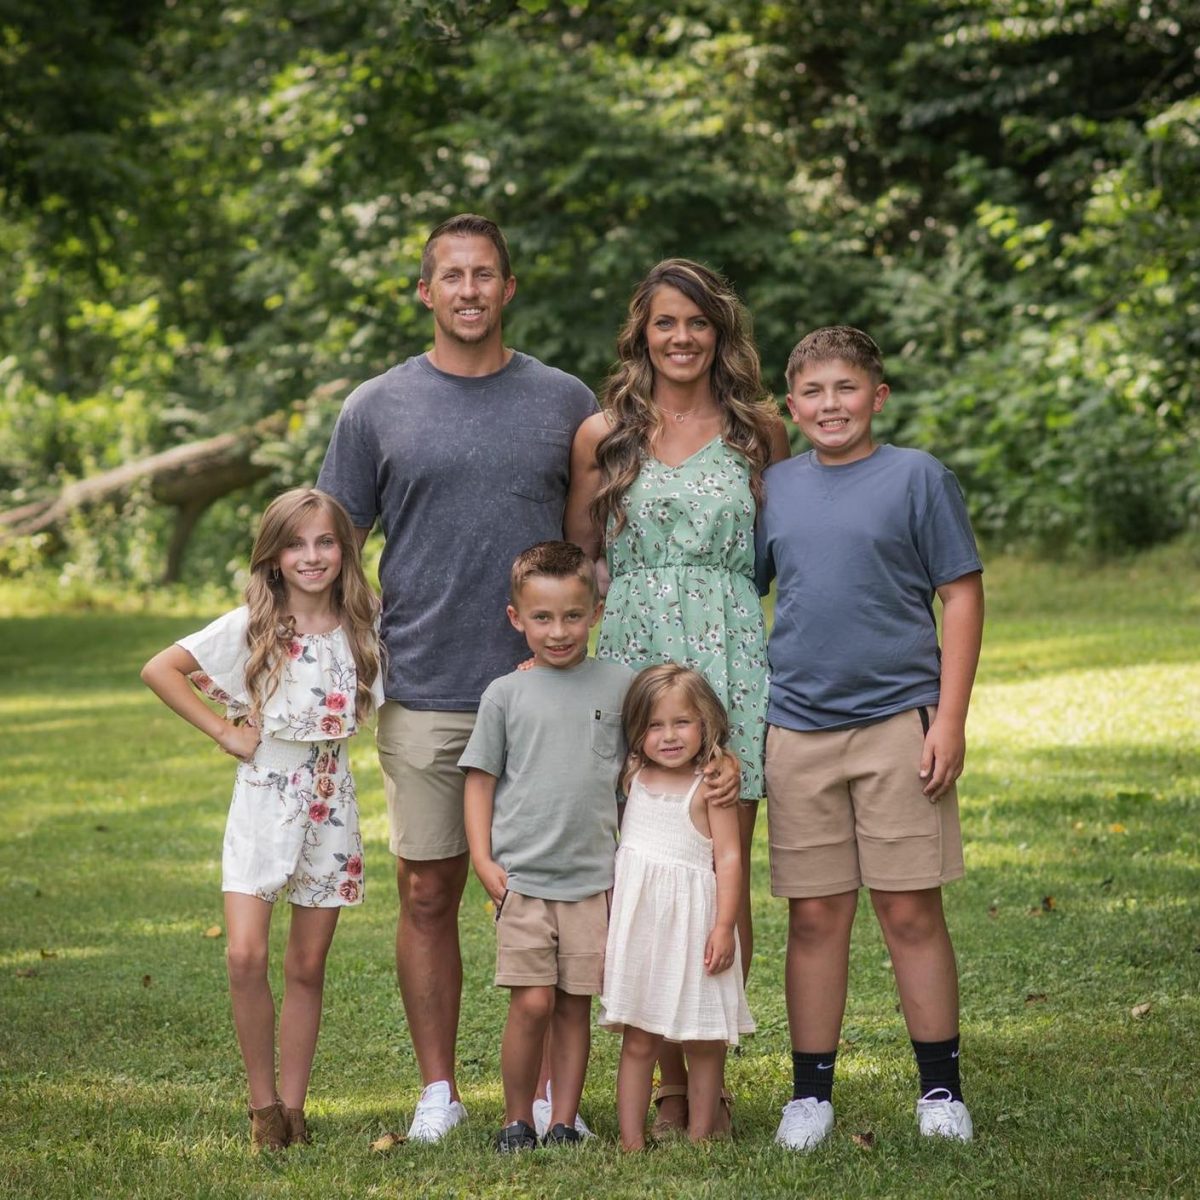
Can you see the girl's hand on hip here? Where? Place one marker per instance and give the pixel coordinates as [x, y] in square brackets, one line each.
[239, 741]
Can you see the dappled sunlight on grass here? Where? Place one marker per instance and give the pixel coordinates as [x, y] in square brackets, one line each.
[39, 958]
[1034, 651]
[1109, 708]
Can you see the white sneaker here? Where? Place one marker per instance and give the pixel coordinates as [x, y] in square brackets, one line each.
[805, 1124]
[436, 1114]
[541, 1118]
[939, 1116]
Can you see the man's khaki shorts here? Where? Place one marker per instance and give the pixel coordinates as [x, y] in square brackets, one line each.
[552, 943]
[845, 808]
[419, 753]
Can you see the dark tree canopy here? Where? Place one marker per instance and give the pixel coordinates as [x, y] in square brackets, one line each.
[210, 212]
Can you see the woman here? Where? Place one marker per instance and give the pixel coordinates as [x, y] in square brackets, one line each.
[667, 480]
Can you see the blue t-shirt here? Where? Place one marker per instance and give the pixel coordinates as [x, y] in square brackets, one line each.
[463, 473]
[858, 551]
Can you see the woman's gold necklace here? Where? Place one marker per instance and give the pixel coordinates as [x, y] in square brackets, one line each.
[679, 416]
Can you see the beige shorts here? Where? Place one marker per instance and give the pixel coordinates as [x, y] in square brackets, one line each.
[552, 943]
[419, 753]
[846, 809]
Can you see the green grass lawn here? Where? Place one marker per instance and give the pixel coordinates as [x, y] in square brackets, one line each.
[119, 1074]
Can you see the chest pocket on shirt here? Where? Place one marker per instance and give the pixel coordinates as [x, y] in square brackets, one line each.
[606, 733]
[540, 459]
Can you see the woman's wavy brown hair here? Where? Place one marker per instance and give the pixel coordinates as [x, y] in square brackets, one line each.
[746, 408]
[645, 691]
[272, 628]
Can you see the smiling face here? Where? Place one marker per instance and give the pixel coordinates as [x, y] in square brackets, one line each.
[466, 290]
[680, 339]
[555, 615]
[832, 402]
[311, 561]
[675, 732]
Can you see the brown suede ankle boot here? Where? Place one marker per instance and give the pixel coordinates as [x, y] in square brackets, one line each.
[268, 1128]
[297, 1128]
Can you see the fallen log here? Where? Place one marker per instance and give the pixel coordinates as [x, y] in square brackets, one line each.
[188, 478]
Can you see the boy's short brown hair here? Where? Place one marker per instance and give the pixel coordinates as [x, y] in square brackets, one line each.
[836, 341]
[555, 560]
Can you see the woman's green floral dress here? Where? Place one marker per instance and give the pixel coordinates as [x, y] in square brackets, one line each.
[683, 588]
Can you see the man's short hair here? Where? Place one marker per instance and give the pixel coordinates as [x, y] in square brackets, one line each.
[554, 560]
[465, 225]
[836, 341]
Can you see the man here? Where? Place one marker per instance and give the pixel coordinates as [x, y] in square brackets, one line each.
[462, 454]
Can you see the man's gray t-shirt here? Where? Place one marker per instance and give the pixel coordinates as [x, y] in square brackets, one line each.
[859, 551]
[463, 473]
[552, 737]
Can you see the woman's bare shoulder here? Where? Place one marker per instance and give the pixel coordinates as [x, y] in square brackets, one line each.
[777, 439]
[593, 428]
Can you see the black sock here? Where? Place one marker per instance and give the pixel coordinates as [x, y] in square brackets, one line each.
[938, 1065]
[812, 1075]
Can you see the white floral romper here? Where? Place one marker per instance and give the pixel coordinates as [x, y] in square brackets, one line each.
[292, 830]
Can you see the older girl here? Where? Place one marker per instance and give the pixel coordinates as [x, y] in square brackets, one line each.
[297, 669]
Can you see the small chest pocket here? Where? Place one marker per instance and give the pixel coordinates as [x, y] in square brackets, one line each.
[606, 734]
[540, 463]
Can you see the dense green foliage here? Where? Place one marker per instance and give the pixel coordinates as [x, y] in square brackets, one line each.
[119, 1072]
[207, 212]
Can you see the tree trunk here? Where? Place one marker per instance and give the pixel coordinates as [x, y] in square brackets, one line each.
[188, 477]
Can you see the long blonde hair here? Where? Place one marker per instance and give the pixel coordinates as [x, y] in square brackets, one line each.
[272, 628]
[646, 690]
[747, 412]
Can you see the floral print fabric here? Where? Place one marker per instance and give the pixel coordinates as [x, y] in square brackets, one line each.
[315, 697]
[683, 588]
[292, 831]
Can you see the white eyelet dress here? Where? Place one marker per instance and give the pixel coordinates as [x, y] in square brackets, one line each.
[663, 909]
[292, 830]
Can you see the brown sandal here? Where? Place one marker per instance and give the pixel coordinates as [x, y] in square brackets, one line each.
[268, 1128]
[662, 1128]
[726, 1103]
[297, 1127]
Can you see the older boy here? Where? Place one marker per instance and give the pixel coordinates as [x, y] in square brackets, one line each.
[866, 720]
[541, 818]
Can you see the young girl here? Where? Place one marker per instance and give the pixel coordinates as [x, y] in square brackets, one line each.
[297, 668]
[672, 967]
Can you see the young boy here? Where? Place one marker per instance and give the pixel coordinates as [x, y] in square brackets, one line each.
[866, 717]
[541, 815]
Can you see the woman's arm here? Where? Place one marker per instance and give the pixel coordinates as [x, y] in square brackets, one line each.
[578, 526]
[166, 675]
[727, 861]
[781, 448]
